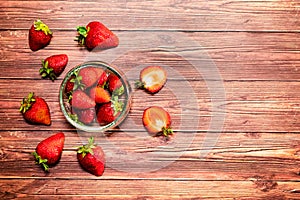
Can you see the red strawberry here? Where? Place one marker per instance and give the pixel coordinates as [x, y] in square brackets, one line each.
[48, 151]
[89, 76]
[86, 116]
[115, 84]
[157, 121]
[35, 110]
[100, 95]
[53, 66]
[91, 158]
[102, 76]
[39, 35]
[95, 34]
[73, 83]
[108, 112]
[80, 100]
[152, 79]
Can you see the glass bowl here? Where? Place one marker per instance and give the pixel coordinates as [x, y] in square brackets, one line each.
[84, 73]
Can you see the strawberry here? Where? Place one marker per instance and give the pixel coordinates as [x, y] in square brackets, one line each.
[95, 34]
[102, 76]
[35, 110]
[152, 79]
[48, 151]
[39, 35]
[81, 100]
[157, 121]
[108, 112]
[53, 66]
[89, 76]
[91, 158]
[115, 84]
[100, 95]
[86, 116]
[73, 83]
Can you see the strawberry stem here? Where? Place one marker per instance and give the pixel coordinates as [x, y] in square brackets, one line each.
[83, 32]
[139, 85]
[88, 148]
[46, 71]
[41, 161]
[40, 26]
[27, 102]
[166, 131]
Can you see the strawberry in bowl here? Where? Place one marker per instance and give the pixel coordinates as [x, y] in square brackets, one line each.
[95, 96]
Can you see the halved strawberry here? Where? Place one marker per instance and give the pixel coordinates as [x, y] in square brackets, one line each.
[152, 79]
[157, 121]
[100, 95]
[81, 100]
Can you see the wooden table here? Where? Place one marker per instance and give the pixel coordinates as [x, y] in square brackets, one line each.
[232, 91]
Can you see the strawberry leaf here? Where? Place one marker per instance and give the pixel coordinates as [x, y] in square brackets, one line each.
[40, 26]
[40, 161]
[88, 148]
[27, 102]
[46, 71]
[83, 32]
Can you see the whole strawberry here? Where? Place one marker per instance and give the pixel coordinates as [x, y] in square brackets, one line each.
[95, 34]
[108, 112]
[53, 66]
[35, 110]
[48, 151]
[39, 35]
[91, 158]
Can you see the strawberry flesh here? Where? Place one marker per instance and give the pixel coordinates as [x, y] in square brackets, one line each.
[153, 78]
[157, 120]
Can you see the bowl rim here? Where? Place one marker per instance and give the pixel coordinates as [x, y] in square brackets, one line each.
[127, 101]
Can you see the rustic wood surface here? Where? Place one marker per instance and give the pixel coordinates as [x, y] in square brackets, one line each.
[255, 48]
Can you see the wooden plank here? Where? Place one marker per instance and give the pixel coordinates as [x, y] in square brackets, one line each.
[190, 15]
[249, 106]
[237, 56]
[137, 189]
[232, 157]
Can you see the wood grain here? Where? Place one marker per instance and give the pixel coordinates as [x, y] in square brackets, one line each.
[237, 60]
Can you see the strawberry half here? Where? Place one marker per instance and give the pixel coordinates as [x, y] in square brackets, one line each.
[35, 110]
[100, 95]
[39, 35]
[91, 158]
[152, 79]
[53, 66]
[157, 121]
[48, 151]
[95, 34]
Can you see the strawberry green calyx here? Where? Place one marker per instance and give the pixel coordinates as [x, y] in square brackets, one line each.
[77, 81]
[83, 32]
[27, 102]
[119, 91]
[88, 148]
[117, 105]
[139, 85]
[166, 131]
[40, 26]
[46, 71]
[41, 161]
